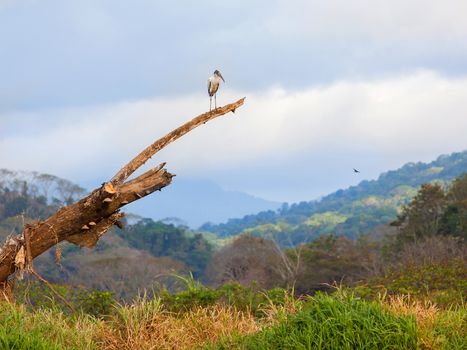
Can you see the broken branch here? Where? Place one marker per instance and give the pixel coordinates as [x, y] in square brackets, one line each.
[85, 221]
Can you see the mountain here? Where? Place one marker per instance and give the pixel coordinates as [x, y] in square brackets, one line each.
[198, 201]
[350, 212]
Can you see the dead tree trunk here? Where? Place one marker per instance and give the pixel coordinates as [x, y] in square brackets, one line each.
[84, 222]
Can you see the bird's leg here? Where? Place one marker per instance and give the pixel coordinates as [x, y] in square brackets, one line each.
[210, 103]
[215, 101]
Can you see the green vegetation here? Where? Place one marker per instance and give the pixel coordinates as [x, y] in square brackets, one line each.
[330, 322]
[434, 211]
[247, 299]
[433, 270]
[43, 329]
[160, 239]
[223, 320]
[364, 207]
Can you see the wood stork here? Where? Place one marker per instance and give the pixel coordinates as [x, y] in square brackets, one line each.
[213, 85]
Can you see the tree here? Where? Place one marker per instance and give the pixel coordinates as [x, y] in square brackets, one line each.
[68, 192]
[454, 219]
[421, 217]
[161, 239]
[332, 259]
[251, 259]
[85, 221]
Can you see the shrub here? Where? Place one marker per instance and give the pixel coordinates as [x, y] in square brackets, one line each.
[96, 303]
[37, 295]
[251, 299]
[432, 269]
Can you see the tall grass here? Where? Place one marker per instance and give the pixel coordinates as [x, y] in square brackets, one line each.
[437, 328]
[147, 324]
[330, 322]
[165, 330]
[44, 329]
[237, 320]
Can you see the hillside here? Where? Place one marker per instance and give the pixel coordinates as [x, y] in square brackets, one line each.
[348, 212]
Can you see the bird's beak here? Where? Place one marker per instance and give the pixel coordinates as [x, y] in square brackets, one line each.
[222, 77]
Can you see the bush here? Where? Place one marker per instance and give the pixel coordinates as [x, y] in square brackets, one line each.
[96, 303]
[242, 298]
[37, 295]
[432, 269]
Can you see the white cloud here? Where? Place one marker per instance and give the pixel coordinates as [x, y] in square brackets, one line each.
[85, 52]
[371, 19]
[406, 117]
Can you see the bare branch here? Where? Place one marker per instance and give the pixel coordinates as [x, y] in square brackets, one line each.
[85, 221]
[145, 155]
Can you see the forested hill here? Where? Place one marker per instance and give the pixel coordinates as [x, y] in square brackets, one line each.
[352, 211]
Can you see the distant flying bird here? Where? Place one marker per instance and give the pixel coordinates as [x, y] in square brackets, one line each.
[355, 170]
[213, 85]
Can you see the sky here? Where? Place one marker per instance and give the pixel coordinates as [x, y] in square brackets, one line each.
[329, 85]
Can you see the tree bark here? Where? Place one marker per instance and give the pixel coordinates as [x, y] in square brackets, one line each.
[85, 221]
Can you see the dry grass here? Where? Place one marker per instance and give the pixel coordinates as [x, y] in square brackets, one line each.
[165, 330]
[147, 324]
[431, 320]
[274, 313]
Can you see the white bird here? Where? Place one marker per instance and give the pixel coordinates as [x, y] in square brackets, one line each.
[213, 85]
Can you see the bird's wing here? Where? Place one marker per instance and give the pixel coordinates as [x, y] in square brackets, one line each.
[209, 86]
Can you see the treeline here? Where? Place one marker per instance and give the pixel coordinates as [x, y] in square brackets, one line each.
[160, 240]
[34, 195]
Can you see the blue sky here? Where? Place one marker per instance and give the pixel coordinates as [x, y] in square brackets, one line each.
[330, 85]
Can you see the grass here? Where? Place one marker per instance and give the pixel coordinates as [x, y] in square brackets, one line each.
[165, 330]
[333, 322]
[44, 329]
[437, 328]
[241, 319]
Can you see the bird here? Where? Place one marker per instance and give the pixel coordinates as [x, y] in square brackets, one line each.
[355, 170]
[213, 85]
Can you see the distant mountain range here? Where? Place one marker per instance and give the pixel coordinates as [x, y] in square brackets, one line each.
[351, 212]
[198, 201]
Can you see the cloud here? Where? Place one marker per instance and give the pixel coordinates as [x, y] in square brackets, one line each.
[57, 54]
[406, 118]
[371, 20]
